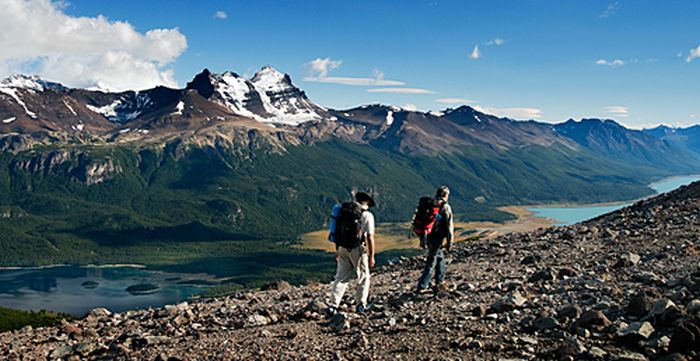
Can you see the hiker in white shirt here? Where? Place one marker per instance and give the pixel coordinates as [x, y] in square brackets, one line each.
[354, 238]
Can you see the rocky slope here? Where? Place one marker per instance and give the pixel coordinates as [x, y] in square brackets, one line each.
[624, 286]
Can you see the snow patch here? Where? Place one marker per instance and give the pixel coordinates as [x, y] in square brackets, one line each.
[109, 110]
[235, 91]
[179, 108]
[124, 130]
[80, 127]
[13, 93]
[389, 117]
[9, 120]
[436, 113]
[70, 108]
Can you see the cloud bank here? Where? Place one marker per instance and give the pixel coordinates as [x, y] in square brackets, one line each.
[514, 113]
[39, 37]
[617, 110]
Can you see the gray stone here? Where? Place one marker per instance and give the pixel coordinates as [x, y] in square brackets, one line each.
[664, 312]
[545, 274]
[61, 352]
[597, 353]
[627, 259]
[693, 306]
[639, 304]
[570, 311]
[593, 319]
[635, 332]
[629, 356]
[510, 302]
[339, 322]
[257, 320]
[545, 323]
[99, 312]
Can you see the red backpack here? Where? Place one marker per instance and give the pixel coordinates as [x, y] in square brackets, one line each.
[426, 214]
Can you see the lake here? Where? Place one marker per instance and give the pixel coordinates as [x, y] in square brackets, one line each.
[76, 290]
[571, 215]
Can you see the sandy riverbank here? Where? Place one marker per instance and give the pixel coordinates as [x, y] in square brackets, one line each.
[396, 235]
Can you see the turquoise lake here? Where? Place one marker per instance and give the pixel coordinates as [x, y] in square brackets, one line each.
[571, 215]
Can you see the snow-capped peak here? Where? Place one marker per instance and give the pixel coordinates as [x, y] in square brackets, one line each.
[29, 82]
[269, 79]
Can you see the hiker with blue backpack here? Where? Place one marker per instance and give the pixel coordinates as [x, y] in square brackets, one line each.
[433, 223]
[352, 231]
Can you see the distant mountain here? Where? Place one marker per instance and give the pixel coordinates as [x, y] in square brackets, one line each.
[232, 158]
[611, 139]
[688, 138]
[269, 96]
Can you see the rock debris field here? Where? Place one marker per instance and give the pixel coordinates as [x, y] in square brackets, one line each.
[624, 286]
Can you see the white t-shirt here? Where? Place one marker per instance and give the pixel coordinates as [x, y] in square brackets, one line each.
[366, 223]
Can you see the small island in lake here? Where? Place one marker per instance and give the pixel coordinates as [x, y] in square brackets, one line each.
[90, 284]
[142, 289]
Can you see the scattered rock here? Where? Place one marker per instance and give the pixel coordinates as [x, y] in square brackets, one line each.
[339, 322]
[545, 274]
[545, 323]
[640, 304]
[635, 332]
[686, 338]
[508, 303]
[593, 319]
[627, 259]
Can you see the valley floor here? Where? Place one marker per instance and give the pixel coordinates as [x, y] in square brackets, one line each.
[398, 235]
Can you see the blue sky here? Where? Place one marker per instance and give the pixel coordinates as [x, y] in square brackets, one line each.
[550, 60]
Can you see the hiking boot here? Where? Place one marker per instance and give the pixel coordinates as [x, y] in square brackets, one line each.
[331, 311]
[363, 308]
[422, 291]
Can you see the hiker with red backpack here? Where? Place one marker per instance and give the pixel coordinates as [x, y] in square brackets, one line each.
[352, 231]
[433, 223]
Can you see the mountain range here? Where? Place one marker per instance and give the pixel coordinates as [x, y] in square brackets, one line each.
[83, 171]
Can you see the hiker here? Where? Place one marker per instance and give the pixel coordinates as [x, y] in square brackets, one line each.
[352, 230]
[440, 235]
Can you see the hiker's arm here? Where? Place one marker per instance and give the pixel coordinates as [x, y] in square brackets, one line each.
[370, 249]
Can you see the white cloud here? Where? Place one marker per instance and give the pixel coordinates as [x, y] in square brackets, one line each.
[475, 54]
[401, 90]
[37, 36]
[318, 70]
[617, 110]
[321, 67]
[496, 41]
[610, 10]
[693, 53]
[611, 63]
[514, 113]
[454, 101]
[220, 15]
